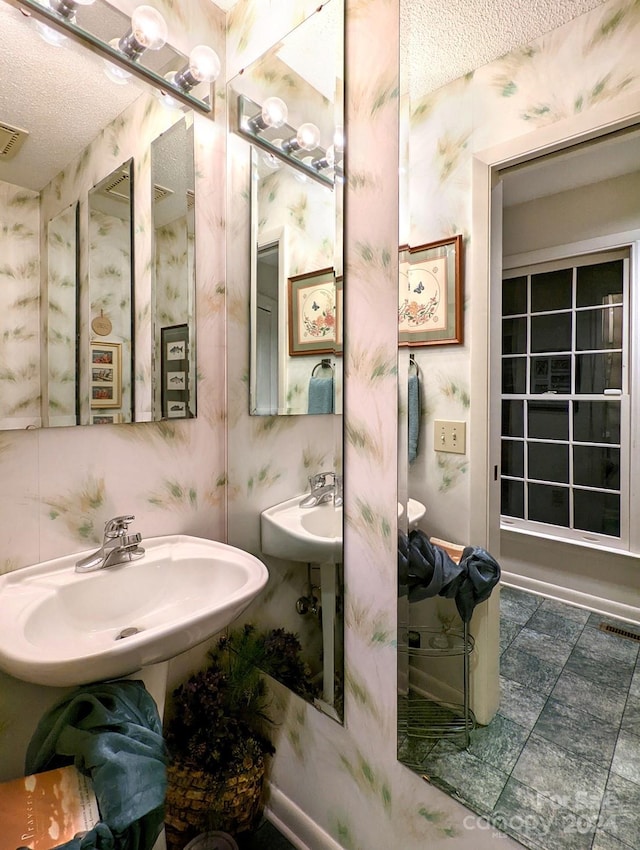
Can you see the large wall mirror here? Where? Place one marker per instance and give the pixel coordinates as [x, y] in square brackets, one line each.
[545, 197]
[85, 309]
[285, 301]
[288, 107]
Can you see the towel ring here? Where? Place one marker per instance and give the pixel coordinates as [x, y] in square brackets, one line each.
[412, 362]
[325, 363]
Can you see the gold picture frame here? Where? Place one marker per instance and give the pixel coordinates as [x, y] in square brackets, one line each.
[106, 375]
[430, 293]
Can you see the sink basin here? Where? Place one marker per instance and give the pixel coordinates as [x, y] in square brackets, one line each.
[61, 628]
[415, 512]
[310, 535]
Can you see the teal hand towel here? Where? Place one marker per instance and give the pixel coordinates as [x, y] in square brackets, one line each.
[320, 395]
[413, 406]
[112, 732]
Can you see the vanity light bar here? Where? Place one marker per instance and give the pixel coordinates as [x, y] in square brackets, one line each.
[276, 140]
[32, 8]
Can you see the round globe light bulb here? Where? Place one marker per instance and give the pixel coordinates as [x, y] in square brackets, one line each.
[51, 36]
[338, 138]
[204, 64]
[330, 156]
[149, 28]
[271, 162]
[84, 2]
[308, 136]
[274, 112]
[115, 73]
[164, 97]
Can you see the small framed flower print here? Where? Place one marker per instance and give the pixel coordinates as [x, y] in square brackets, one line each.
[312, 313]
[106, 374]
[430, 293]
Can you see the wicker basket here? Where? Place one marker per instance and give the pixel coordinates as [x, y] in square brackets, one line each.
[198, 801]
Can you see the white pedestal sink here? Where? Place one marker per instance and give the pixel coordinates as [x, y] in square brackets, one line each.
[63, 628]
[310, 536]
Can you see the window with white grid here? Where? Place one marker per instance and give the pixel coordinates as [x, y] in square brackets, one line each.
[565, 398]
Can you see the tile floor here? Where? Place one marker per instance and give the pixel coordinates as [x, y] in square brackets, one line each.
[265, 837]
[558, 768]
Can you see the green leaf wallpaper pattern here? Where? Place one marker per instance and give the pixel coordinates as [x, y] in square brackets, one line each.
[79, 509]
[370, 523]
[174, 495]
[373, 626]
[450, 153]
[451, 388]
[451, 472]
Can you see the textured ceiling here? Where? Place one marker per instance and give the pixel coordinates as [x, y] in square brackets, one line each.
[444, 39]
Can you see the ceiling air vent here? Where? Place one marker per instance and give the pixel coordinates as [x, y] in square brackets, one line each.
[118, 187]
[191, 199]
[11, 139]
[160, 193]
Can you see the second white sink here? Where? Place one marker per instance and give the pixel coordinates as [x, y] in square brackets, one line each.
[309, 535]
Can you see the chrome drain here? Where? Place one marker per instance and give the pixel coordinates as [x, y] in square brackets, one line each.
[128, 632]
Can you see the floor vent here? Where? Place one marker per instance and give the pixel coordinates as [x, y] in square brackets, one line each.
[623, 633]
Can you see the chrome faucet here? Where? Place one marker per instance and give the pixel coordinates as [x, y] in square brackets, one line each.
[118, 547]
[325, 487]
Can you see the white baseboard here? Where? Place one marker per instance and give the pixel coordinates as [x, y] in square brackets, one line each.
[606, 607]
[296, 826]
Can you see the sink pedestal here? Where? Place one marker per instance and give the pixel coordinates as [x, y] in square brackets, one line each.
[328, 588]
[154, 678]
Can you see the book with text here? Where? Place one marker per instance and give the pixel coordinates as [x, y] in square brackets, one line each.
[46, 809]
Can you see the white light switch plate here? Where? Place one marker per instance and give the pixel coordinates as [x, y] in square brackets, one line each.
[450, 436]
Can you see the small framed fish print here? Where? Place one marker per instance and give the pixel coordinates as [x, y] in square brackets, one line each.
[312, 313]
[177, 349]
[430, 297]
[175, 365]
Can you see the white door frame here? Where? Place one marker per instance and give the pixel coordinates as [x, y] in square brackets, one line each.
[599, 121]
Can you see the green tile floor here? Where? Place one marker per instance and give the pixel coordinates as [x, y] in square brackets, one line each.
[558, 768]
[265, 837]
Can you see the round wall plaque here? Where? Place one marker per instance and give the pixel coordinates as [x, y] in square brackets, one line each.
[101, 325]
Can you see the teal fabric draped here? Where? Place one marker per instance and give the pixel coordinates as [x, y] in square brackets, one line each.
[112, 732]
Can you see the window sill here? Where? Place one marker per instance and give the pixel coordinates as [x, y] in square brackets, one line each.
[597, 546]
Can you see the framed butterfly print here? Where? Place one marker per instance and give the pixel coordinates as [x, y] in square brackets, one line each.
[312, 313]
[430, 293]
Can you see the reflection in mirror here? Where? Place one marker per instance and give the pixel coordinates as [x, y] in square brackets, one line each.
[63, 393]
[50, 166]
[173, 181]
[265, 372]
[298, 213]
[287, 472]
[293, 300]
[111, 288]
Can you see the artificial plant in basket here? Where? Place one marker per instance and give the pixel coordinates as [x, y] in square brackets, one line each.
[216, 736]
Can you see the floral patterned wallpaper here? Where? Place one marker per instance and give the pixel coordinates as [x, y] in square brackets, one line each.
[61, 291]
[110, 293]
[19, 307]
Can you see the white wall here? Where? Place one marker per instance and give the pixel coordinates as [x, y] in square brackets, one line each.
[610, 206]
